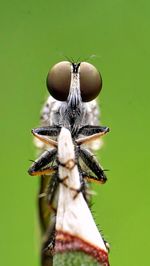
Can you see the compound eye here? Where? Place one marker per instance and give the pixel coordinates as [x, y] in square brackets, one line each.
[90, 82]
[58, 80]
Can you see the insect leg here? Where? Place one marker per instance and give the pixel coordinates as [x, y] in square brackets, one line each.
[84, 185]
[92, 163]
[90, 138]
[37, 168]
[45, 139]
[49, 185]
[52, 187]
[51, 131]
[89, 130]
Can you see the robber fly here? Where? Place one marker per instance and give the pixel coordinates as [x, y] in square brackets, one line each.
[72, 85]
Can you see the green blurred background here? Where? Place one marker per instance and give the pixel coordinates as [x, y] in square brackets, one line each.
[34, 35]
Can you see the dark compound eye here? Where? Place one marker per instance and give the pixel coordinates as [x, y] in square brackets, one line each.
[90, 82]
[59, 78]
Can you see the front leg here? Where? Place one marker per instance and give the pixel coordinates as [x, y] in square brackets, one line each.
[51, 131]
[44, 138]
[91, 134]
[89, 130]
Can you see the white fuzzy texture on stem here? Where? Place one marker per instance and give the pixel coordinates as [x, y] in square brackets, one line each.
[73, 214]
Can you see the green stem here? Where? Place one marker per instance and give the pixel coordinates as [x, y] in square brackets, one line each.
[74, 258]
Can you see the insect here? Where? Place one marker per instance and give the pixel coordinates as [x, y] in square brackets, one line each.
[73, 85]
